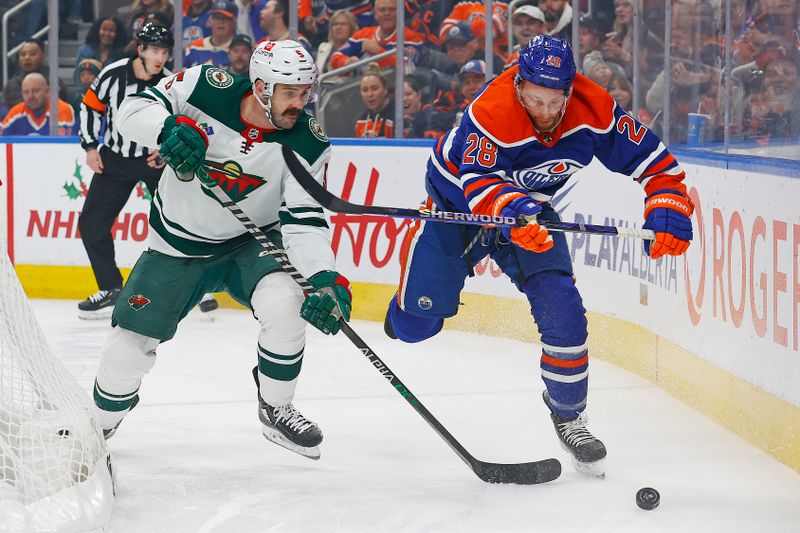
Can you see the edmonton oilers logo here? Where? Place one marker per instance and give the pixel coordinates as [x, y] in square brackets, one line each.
[425, 303]
[544, 174]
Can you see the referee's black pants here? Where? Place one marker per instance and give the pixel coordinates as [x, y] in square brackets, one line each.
[107, 195]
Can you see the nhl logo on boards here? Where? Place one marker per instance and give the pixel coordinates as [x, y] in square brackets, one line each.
[425, 303]
[138, 302]
[316, 129]
[218, 78]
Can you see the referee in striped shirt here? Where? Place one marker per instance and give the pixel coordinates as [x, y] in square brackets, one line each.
[119, 164]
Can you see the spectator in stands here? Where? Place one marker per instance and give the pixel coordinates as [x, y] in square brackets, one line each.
[378, 119]
[774, 113]
[691, 80]
[213, 50]
[274, 20]
[558, 17]
[249, 21]
[30, 58]
[135, 16]
[449, 106]
[471, 77]
[460, 45]
[374, 40]
[239, 55]
[425, 17]
[32, 115]
[590, 37]
[526, 22]
[473, 14]
[196, 23]
[363, 10]
[621, 91]
[416, 109]
[341, 27]
[596, 69]
[104, 42]
[775, 19]
[618, 46]
[87, 70]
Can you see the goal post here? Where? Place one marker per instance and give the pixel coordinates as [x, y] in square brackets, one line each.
[55, 468]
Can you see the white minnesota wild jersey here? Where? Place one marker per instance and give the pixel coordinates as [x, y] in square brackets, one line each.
[186, 220]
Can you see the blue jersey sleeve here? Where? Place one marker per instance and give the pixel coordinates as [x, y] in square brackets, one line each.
[631, 149]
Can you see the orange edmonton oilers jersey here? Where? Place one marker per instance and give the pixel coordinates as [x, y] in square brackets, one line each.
[496, 150]
[474, 14]
[353, 46]
[22, 122]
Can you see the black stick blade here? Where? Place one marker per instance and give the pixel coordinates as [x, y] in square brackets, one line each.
[520, 473]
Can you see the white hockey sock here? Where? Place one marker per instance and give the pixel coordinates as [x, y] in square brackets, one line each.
[276, 304]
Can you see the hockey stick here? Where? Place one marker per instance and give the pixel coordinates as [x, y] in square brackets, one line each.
[519, 473]
[333, 203]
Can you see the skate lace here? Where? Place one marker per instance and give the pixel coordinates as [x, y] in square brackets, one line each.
[292, 418]
[575, 432]
[99, 295]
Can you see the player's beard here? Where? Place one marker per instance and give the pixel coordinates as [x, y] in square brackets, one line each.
[549, 125]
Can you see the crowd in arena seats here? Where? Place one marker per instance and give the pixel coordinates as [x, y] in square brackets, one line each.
[445, 61]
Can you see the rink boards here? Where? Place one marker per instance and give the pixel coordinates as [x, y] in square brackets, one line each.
[717, 328]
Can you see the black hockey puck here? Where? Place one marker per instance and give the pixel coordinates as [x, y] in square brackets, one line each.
[647, 498]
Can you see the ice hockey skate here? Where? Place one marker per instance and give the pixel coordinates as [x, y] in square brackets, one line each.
[285, 426]
[587, 451]
[99, 305]
[208, 304]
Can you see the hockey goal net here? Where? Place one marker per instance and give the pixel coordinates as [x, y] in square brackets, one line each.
[55, 471]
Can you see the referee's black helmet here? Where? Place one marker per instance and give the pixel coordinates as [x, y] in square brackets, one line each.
[152, 34]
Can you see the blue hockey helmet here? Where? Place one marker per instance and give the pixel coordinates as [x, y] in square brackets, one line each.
[548, 62]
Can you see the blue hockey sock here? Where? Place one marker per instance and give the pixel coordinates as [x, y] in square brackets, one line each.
[411, 328]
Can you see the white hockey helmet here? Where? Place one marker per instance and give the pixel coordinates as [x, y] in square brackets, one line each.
[282, 62]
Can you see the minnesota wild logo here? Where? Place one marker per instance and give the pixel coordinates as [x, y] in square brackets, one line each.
[230, 177]
[138, 301]
[217, 77]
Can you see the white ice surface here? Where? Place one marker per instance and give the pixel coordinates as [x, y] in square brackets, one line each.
[191, 458]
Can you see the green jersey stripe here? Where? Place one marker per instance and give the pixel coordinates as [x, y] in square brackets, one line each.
[287, 219]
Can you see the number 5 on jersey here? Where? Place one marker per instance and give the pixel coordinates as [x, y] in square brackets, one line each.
[486, 151]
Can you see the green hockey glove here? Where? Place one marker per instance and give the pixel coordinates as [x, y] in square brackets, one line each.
[183, 144]
[330, 300]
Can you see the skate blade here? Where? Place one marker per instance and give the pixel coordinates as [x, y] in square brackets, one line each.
[277, 437]
[102, 314]
[596, 469]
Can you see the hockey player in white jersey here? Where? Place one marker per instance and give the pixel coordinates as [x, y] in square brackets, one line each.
[229, 131]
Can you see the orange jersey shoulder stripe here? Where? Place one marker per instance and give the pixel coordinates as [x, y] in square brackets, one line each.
[589, 106]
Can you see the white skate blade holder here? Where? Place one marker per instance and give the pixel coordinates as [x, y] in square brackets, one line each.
[101, 314]
[273, 435]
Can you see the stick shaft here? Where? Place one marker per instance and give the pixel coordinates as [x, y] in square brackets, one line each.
[334, 203]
